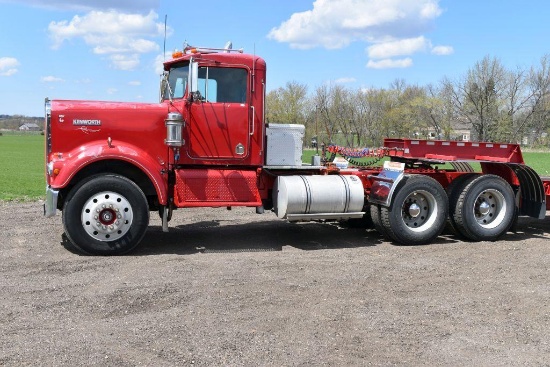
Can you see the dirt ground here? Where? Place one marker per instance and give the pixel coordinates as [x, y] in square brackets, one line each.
[236, 288]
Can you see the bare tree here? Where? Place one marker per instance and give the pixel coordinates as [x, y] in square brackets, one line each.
[335, 112]
[476, 98]
[482, 91]
[538, 115]
[439, 111]
[496, 104]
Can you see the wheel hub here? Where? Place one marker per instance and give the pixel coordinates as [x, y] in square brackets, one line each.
[490, 208]
[414, 210]
[419, 210]
[484, 208]
[107, 216]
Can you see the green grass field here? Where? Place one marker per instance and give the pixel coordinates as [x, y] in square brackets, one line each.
[539, 161]
[22, 166]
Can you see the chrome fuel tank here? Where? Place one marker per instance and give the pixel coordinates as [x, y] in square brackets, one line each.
[318, 197]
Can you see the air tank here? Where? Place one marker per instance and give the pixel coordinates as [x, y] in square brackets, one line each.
[303, 197]
[174, 126]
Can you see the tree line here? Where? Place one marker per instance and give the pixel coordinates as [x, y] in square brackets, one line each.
[488, 103]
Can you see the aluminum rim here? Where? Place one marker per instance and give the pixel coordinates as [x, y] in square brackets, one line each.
[107, 216]
[490, 208]
[419, 210]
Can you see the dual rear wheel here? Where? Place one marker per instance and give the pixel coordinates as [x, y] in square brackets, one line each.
[482, 207]
[478, 207]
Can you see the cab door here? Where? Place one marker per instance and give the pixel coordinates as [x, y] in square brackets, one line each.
[219, 116]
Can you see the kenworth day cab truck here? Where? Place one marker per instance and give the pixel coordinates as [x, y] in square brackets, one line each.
[206, 144]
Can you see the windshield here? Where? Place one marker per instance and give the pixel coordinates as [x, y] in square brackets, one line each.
[177, 81]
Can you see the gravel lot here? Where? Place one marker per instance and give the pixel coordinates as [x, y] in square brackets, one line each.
[237, 288]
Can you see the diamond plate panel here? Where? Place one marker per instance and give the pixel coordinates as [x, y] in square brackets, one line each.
[284, 144]
[216, 186]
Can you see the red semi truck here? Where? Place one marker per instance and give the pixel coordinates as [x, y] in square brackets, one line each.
[206, 144]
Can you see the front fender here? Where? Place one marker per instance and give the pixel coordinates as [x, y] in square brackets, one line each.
[64, 166]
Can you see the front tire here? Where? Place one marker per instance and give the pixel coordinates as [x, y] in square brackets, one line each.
[106, 215]
[418, 211]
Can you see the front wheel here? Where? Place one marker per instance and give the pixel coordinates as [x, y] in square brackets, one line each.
[418, 211]
[106, 215]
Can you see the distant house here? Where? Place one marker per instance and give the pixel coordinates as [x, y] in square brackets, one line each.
[455, 134]
[29, 127]
[461, 134]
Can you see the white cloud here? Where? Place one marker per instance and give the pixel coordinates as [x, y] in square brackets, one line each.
[51, 79]
[124, 62]
[8, 66]
[390, 63]
[334, 24]
[112, 90]
[392, 28]
[134, 83]
[345, 80]
[8, 72]
[402, 47]
[430, 10]
[442, 50]
[122, 36]
[159, 62]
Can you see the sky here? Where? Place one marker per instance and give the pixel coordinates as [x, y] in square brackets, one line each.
[113, 49]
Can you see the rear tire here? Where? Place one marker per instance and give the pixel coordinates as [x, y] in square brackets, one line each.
[485, 208]
[106, 215]
[377, 220]
[364, 222]
[453, 193]
[418, 211]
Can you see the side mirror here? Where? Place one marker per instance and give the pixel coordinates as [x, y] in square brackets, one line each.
[163, 86]
[193, 81]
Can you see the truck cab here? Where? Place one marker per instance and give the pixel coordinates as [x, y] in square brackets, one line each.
[221, 97]
[201, 145]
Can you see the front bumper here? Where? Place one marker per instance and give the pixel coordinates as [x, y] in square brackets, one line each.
[50, 206]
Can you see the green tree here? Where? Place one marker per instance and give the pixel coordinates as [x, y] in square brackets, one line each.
[287, 105]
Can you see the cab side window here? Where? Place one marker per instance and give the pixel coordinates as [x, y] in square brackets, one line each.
[223, 85]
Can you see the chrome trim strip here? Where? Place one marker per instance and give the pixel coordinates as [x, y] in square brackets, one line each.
[306, 217]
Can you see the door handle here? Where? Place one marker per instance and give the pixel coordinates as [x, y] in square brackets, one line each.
[253, 114]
